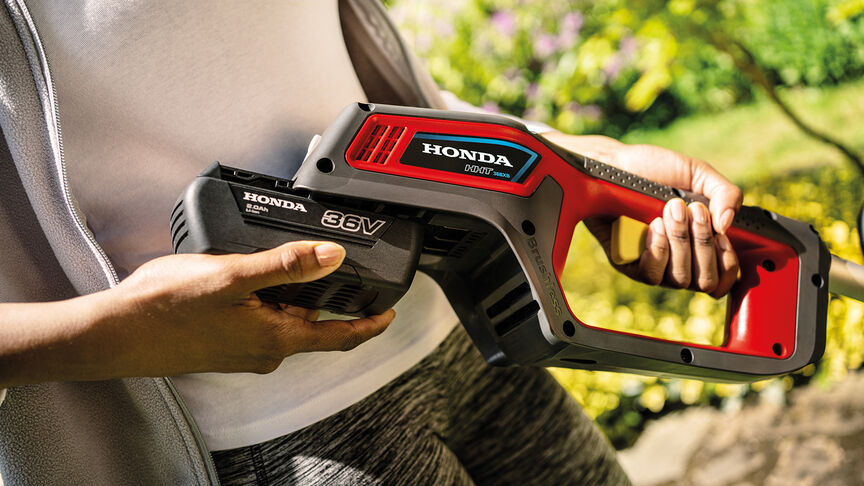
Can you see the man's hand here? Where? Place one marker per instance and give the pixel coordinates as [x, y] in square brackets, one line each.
[687, 247]
[179, 314]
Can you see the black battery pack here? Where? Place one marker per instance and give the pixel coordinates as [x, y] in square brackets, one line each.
[228, 210]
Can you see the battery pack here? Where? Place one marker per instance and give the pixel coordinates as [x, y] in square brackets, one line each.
[228, 210]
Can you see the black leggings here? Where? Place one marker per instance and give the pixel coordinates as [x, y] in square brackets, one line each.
[451, 419]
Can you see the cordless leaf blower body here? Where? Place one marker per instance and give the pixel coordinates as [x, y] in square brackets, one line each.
[488, 210]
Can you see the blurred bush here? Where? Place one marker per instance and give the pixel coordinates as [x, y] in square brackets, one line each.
[610, 66]
[615, 66]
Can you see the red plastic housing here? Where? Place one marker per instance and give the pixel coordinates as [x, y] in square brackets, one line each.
[382, 140]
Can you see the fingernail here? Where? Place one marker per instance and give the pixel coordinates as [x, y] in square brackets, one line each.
[676, 207]
[700, 213]
[657, 227]
[328, 253]
[726, 220]
[723, 241]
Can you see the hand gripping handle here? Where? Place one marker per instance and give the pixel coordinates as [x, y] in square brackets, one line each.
[776, 311]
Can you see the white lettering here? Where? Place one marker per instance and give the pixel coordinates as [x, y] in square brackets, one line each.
[272, 201]
[450, 152]
[465, 154]
[370, 228]
[351, 222]
[484, 157]
[501, 160]
[429, 148]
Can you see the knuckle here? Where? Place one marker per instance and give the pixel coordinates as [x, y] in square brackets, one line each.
[651, 276]
[660, 246]
[266, 366]
[272, 340]
[719, 292]
[703, 240]
[283, 343]
[678, 235]
[219, 273]
[226, 279]
[351, 339]
[292, 263]
[679, 279]
[707, 283]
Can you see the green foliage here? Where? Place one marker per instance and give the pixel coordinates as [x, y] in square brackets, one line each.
[798, 41]
[611, 66]
[756, 140]
[622, 67]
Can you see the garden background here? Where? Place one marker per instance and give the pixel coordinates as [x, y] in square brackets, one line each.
[768, 91]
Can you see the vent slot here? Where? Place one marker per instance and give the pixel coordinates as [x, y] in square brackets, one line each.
[524, 313]
[176, 208]
[180, 239]
[380, 144]
[508, 300]
[466, 244]
[176, 215]
[448, 241]
[320, 294]
[178, 228]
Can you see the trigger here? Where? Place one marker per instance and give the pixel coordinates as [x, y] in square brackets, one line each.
[628, 240]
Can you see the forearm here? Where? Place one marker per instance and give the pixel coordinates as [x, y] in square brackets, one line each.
[179, 314]
[55, 341]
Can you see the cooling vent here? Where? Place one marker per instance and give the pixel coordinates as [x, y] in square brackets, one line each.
[447, 241]
[380, 144]
[337, 297]
[514, 308]
[179, 232]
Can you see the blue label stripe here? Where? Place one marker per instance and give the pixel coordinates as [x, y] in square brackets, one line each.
[493, 141]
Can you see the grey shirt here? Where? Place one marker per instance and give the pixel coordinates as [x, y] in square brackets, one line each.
[149, 94]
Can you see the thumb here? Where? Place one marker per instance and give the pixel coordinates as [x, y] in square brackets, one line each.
[725, 197]
[294, 262]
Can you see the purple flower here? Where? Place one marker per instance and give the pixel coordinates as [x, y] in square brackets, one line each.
[491, 107]
[592, 112]
[532, 91]
[628, 46]
[423, 41]
[444, 28]
[545, 45]
[573, 107]
[572, 23]
[569, 28]
[512, 73]
[531, 114]
[504, 23]
[613, 67]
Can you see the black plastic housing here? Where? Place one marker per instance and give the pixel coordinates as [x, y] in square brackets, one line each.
[213, 217]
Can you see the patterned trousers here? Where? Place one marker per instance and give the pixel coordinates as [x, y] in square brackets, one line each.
[451, 419]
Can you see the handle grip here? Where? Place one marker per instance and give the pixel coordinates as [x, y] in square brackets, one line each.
[775, 310]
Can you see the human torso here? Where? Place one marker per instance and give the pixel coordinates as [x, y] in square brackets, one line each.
[149, 94]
